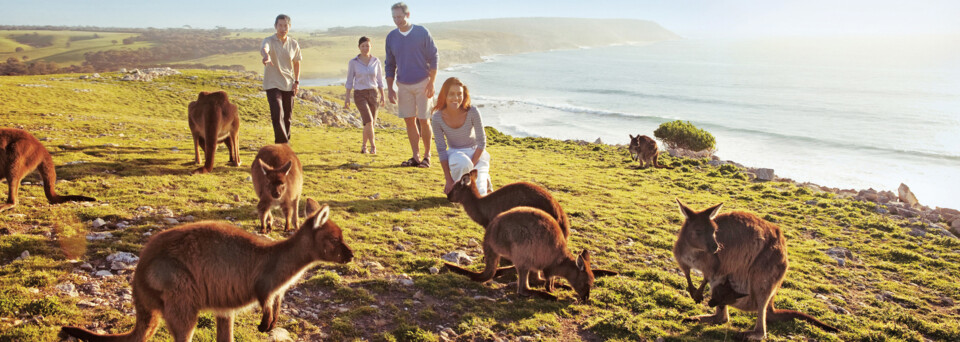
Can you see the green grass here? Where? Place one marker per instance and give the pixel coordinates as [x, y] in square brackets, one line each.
[899, 287]
[59, 52]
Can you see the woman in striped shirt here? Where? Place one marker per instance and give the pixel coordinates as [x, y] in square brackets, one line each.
[365, 79]
[458, 133]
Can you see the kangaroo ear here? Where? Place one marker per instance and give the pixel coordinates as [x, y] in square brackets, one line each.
[264, 167]
[312, 207]
[582, 260]
[714, 210]
[473, 175]
[286, 168]
[322, 216]
[631, 136]
[687, 213]
[466, 180]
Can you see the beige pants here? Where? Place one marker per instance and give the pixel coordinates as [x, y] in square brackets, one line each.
[412, 100]
[461, 163]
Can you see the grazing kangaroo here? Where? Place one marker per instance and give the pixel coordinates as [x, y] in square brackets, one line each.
[483, 209]
[213, 120]
[533, 240]
[644, 149]
[278, 180]
[216, 266]
[20, 154]
[744, 251]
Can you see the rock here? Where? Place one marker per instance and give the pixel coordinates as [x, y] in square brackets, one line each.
[170, 220]
[841, 262]
[123, 257]
[880, 210]
[97, 236]
[249, 178]
[598, 141]
[838, 309]
[408, 209]
[401, 247]
[906, 196]
[103, 274]
[811, 202]
[434, 270]
[86, 267]
[236, 198]
[99, 222]
[188, 218]
[375, 196]
[374, 266]
[398, 229]
[472, 243]
[715, 163]
[91, 288]
[907, 212]
[405, 280]
[279, 335]
[918, 232]
[458, 257]
[765, 174]
[86, 304]
[478, 297]
[67, 288]
[111, 145]
[949, 215]
[868, 195]
[123, 225]
[25, 254]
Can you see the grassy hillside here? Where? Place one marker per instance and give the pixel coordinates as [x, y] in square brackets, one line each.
[58, 52]
[326, 53]
[127, 144]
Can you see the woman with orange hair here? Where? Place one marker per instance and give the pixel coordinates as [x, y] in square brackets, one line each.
[458, 133]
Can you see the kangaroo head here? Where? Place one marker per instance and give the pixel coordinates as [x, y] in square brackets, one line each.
[276, 178]
[326, 236]
[584, 279]
[467, 186]
[699, 230]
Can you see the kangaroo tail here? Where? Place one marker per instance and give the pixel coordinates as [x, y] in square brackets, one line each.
[782, 315]
[49, 175]
[145, 327]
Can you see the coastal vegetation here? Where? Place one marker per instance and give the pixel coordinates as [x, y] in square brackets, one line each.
[683, 134]
[127, 143]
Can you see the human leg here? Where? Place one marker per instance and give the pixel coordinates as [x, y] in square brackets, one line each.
[274, 97]
[287, 112]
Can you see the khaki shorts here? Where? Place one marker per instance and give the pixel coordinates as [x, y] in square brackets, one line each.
[412, 100]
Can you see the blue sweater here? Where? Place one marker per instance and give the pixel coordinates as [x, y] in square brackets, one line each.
[410, 58]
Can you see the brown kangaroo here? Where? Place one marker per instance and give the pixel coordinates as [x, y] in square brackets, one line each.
[533, 240]
[20, 154]
[278, 180]
[213, 120]
[483, 209]
[218, 267]
[644, 149]
[746, 252]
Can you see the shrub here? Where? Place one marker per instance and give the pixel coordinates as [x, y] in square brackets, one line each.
[683, 134]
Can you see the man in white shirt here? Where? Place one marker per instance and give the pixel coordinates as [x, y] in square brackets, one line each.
[281, 76]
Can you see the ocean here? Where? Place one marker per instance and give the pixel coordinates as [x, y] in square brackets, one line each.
[840, 112]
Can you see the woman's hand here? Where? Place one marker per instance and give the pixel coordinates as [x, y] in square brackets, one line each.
[448, 186]
[381, 101]
[346, 103]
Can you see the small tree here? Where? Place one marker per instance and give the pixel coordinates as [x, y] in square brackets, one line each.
[19, 49]
[114, 42]
[683, 134]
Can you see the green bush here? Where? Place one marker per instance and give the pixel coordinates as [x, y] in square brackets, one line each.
[683, 134]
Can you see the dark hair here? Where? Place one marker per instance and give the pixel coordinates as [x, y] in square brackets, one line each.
[282, 16]
[362, 40]
[401, 6]
[442, 96]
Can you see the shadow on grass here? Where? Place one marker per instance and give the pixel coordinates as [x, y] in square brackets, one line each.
[391, 205]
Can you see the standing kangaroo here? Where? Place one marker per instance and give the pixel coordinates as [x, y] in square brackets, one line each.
[213, 120]
[483, 209]
[644, 149]
[20, 154]
[742, 251]
[278, 180]
[218, 267]
[532, 239]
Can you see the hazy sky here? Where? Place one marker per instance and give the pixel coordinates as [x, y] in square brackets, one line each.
[689, 18]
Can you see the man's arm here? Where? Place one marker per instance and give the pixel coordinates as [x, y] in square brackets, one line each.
[265, 51]
[390, 69]
[433, 57]
[296, 77]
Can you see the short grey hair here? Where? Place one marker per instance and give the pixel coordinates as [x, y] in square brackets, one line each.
[402, 6]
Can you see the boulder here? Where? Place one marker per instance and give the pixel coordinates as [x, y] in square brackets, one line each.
[907, 196]
[458, 257]
[949, 215]
[765, 174]
[868, 195]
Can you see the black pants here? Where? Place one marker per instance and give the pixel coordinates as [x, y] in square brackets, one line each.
[281, 111]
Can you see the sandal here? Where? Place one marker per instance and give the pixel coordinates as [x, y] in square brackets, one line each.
[425, 162]
[363, 150]
[410, 162]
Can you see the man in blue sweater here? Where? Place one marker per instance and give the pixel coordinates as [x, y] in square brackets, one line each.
[412, 60]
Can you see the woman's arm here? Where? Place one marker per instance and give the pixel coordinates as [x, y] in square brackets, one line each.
[348, 85]
[479, 133]
[448, 185]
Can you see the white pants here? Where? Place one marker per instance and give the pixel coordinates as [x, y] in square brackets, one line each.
[461, 163]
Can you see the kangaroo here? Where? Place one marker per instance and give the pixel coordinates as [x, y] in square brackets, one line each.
[644, 149]
[213, 120]
[278, 180]
[533, 240]
[483, 209]
[216, 266]
[20, 154]
[742, 251]
[724, 294]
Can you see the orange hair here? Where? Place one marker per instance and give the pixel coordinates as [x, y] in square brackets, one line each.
[442, 97]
